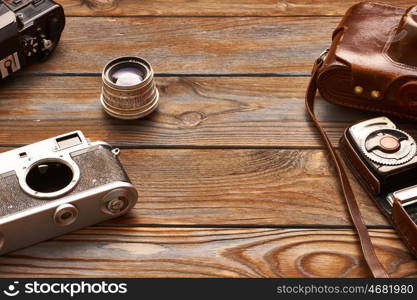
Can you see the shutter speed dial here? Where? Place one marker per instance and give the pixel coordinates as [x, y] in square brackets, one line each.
[389, 147]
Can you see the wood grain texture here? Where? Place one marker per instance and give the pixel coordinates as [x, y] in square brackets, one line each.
[194, 112]
[250, 56]
[238, 187]
[210, 8]
[212, 45]
[176, 252]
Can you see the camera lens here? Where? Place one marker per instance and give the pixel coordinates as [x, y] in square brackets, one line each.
[129, 90]
[49, 177]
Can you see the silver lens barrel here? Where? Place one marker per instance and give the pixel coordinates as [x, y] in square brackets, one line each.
[129, 91]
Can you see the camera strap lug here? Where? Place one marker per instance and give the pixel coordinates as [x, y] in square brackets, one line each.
[322, 57]
[116, 151]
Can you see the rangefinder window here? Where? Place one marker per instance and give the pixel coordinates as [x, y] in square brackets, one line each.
[68, 141]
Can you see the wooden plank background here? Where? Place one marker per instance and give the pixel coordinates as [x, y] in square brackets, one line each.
[163, 8]
[207, 252]
[233, 178]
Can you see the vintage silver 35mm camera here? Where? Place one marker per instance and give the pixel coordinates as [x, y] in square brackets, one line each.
[29, 32]
[384, 158]
[59, 185]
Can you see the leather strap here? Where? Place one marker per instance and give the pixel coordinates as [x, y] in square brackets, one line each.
[368, 249]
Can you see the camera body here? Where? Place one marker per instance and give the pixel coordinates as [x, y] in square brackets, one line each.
[384, 159]
[59, 185]
[29, 32]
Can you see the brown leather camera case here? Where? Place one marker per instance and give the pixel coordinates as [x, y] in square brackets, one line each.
[371, 65]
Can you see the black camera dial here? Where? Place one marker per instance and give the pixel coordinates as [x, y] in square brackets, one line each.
[31, 46]
[389, 147]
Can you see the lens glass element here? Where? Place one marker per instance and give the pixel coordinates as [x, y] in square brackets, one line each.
[126, 74]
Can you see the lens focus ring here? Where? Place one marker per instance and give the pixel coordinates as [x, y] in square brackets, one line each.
[65, 214]
[129, 90]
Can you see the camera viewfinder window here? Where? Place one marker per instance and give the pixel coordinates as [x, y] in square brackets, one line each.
[68, 141]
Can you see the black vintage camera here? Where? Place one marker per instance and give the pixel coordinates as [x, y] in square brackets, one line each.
[29, 32]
